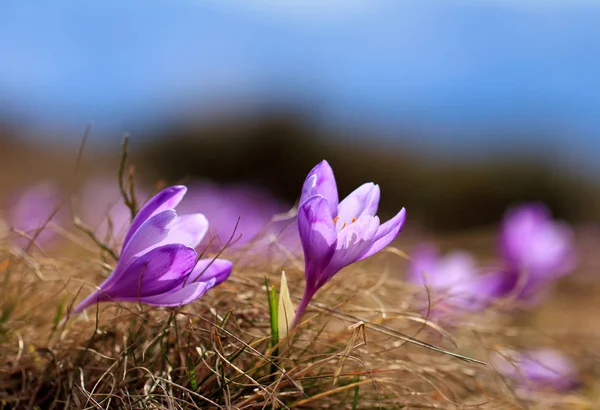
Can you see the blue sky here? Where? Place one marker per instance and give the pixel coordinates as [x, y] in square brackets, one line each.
[451, 69]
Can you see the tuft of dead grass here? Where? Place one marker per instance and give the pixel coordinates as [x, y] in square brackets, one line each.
[362, 345]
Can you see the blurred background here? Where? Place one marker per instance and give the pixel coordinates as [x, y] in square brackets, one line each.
[456, 108]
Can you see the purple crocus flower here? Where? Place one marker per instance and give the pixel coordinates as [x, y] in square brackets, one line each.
[454, 280]
[32, 213]
[537, 369]
[158, 264]
[225, 205]
[336, 234]
[536, 249]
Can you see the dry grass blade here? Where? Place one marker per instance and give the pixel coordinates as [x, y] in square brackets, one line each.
[217, 353]
[328, 393]
[358, 329]
[394, 333]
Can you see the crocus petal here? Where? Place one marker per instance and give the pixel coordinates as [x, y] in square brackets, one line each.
[428, 268]
[537, 369]
[149, 235]
[386, 233]
[163, 229]
[207, 269]
[423, 261]
[528, 289]
[364, 200]
[454, 281]
[457, 267]
[158, 271]
[494, 285]
[351, 244]
[550, 253]
[166, 199]
[98, 296]
[519, 225]
[548, 367]
[317, 234]
[531, 240]
[320, 181]
[477, 292]
[182, 296]
[188, 230]
[159, 230]
[536, 249]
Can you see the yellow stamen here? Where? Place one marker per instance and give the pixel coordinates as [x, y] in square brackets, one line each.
[353, 220]
[343, 226]
[335, 219]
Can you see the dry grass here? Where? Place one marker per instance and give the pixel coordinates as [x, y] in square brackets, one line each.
[362, 345]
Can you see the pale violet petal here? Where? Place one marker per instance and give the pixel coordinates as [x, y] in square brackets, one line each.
[386, 233]
[188, 230]
[423, 262]
[321, 181]
[351, 244]
[364, 200]
[182, 296]
[150, 234]
[163, 229]
[207, 269]
[166, 199]
[317, 235]
[98, 296]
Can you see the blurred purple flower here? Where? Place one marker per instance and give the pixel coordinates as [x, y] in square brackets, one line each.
[158, 264]
[335, 235]
[32, 213]
[536, 249]
[102, 208]
[224, 205]
[454, 280]
[537, 369]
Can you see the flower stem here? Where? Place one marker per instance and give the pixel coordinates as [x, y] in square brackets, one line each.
[306, 298]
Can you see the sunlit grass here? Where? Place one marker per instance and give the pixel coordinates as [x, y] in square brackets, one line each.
[357, 347]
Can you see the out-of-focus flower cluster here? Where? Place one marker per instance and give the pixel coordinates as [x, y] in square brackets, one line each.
[533, 252]
[33, 214]
[238, 214]
[541, 369]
